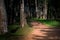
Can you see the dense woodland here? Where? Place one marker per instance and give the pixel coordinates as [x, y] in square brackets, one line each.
[21, 11]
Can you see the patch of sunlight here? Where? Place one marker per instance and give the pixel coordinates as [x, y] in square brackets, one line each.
[35, 19]
[50, 23]
[23, 31]
[41, 19]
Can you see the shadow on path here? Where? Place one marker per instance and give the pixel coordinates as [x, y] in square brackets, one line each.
[46, 33]
[39, 32]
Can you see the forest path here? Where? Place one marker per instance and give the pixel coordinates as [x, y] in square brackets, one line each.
[43, 32]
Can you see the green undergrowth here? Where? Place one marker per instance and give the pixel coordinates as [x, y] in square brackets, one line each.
[49, 23]
[11, 27]
[20, 31]
[34, 19]
[23, 31]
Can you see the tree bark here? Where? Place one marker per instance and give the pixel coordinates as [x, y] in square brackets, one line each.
[3, 18]
[22, 15]
[45, 10]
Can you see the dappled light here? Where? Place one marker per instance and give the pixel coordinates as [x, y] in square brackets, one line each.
[29, 19]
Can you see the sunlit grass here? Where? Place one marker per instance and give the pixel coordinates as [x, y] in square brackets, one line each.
[37, 19]
[50, 23]
[21, 31]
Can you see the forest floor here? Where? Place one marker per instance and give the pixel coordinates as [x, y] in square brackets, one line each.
[43, 32]
[40, 32]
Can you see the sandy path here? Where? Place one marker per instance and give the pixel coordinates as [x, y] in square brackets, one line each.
[42, 32]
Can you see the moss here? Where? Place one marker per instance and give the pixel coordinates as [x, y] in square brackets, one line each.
[23, 31]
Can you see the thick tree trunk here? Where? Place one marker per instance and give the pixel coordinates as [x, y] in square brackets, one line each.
[3, 18]
[45, 10]
[22, 15]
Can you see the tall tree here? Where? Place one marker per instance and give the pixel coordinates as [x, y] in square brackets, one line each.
[3, 18]
[22, 15]
[45, 9]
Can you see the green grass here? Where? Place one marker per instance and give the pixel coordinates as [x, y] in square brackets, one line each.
[11, 27]
[23, 31]
[37, 19]
[50, 23]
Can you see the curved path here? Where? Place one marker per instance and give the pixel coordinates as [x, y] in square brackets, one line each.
[43, 32]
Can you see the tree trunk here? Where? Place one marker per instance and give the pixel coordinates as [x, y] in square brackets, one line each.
[3, 18]
[45, 10]
[37, 14]
[22, 15]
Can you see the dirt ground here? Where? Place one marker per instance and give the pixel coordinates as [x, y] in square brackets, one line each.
[43, 32]
[40, 32]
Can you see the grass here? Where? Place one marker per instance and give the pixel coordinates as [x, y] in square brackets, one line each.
[34, 19]
[50, 23]
[11, 27]
[21, 31]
